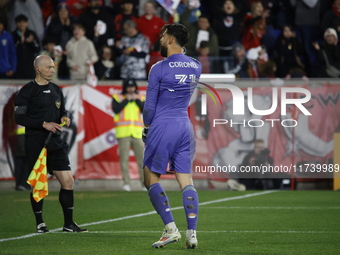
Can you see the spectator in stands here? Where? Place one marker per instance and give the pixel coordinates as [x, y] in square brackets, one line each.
[77, 7]
[61, 29]
[80, 53]
[27, 48]
[159, 10]
[141, 7]
[329, 54]
[194, 11]
[149, 24]
[272, 32]
[199, 31]
[203, 56]
[288, 55]
[8, 59]
[137, 4]
[267, 69]
[212, 7]
[106, 68]
[53, 52]
[126, 14]
[98, 24]
[307, 21]
[113, 6]
[259, 64]
[29, 8]
[133, 48]
[254, 26]
[252, 56]
[331, 18]
[48, 7]
[228, 22]
[240, 62]
[3, 8]
[258, 156]
[61, 26]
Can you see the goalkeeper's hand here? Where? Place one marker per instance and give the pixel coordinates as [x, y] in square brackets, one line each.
[145, 132]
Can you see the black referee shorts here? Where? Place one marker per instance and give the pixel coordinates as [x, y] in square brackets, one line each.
[57, 152]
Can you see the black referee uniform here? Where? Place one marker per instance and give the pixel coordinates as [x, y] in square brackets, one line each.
[34, 105]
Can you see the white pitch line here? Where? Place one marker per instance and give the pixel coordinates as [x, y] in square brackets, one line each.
[272, 207]
[144, 214]
[238, 197]
[19, 237]
[219, 231]
[177, 208]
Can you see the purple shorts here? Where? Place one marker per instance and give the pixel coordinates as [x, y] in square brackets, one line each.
[172, 142]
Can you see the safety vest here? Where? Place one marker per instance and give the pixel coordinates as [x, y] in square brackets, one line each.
[129, 121]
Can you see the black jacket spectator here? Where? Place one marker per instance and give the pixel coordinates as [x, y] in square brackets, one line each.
[332, 53]
[89, 18]
[61, 26]
[228, 21]
[105, 68]
[202, 24]
[27, 47]
[288, 53]
[331, 18]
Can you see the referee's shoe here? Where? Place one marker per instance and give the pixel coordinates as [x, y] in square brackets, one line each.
[42, 228]
[73, 228]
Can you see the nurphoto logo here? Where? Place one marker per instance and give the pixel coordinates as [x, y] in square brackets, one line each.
[238, 105]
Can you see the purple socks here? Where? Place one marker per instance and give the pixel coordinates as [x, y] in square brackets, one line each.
[190, 203]
[160, 202]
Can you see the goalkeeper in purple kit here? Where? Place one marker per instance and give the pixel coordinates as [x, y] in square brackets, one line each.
[168, 132]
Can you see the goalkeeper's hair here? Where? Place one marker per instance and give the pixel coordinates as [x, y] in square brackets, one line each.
[180, 32]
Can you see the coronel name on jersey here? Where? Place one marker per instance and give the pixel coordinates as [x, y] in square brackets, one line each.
[183, 64]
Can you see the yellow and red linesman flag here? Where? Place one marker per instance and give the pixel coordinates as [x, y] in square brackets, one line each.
[38, 177]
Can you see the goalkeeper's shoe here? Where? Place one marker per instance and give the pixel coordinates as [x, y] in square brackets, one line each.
[167, 238]
[191, 239]
[73, 228]
[41, 228]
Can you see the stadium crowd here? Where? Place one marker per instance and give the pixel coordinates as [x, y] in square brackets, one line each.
[120, 38]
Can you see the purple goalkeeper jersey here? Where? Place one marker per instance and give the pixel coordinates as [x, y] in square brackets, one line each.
[170, 86]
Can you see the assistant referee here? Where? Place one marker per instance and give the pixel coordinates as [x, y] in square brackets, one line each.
[40, 106]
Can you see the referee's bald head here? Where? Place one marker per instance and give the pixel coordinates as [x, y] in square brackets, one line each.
[39, 60]
[44, 68]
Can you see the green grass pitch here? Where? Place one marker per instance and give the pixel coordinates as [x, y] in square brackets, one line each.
[250, 222]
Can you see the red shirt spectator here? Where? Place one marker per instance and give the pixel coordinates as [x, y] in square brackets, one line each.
[149, 24]
[126, 14]
[47, 8]
[254, 26]
[77, 6]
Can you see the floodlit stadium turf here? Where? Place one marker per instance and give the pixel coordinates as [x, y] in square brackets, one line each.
[251, 222]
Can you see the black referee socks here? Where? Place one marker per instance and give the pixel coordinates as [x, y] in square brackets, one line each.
[37, 209]
[66, 201]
